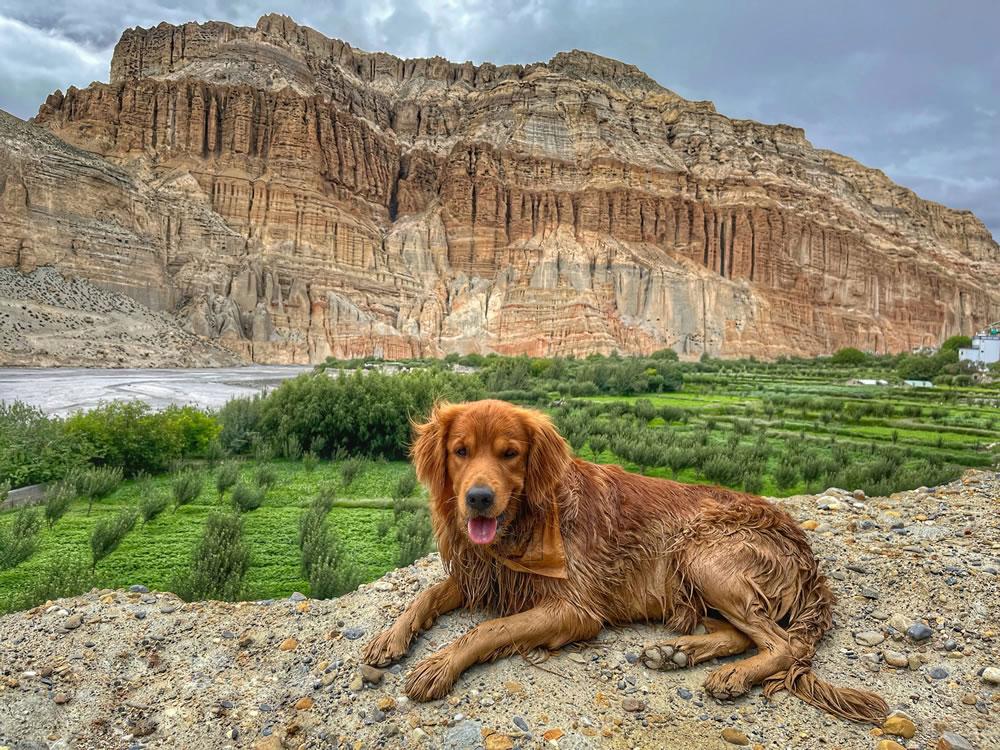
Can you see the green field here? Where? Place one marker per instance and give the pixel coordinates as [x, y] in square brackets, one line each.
[158, 553]
[769, 428]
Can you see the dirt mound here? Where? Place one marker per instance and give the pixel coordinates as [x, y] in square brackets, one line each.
[917, 621]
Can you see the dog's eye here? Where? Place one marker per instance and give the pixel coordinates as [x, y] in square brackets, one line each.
[510, 453]
[460, 452]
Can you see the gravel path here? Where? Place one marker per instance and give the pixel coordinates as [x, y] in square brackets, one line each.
[918, 621]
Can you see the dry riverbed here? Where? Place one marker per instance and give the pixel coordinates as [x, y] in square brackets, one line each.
[918, 621]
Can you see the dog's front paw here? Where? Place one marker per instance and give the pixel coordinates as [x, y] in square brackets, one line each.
[385, 648]
[432, 678]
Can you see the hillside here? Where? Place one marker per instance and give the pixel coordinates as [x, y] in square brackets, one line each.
[117, 669]
[293, 197]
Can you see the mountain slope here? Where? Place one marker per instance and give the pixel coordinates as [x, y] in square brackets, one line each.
[325, 200]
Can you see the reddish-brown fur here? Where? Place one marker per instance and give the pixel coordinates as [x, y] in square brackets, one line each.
[637, 549]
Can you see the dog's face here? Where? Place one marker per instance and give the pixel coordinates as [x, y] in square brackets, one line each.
[487, 462]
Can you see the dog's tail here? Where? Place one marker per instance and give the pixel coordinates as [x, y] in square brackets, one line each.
[809, 619]
[848, 703]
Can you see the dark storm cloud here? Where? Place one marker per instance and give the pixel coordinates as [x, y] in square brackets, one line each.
[908, 86]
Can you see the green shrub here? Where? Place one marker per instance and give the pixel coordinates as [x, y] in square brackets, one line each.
[361, 414]
[97, 482]
[414, 532]
[334, 573]
[405, 485]
[849, 356]
[108, 534]
[753, 482]
[644, 409]
[57, 501]
[263, 451]
[4, 491]
[227, 475]
[812, 467]
[291, 448]
[185, 487]
[240, 423]
[151, 504]
[721, 469]
[351, 469]
[60, 579]
[598, 444]
[35, 448]
[265, 476]
[955, 343]
[309, 461]
[219, 562]
[383, 526]
[18, 541]
[325, 563]
[246, 499]
[312, 528]
[786, 475]
[194, 429]
[214, 453]
[127, 435]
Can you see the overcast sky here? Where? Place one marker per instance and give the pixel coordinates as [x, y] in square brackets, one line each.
[911, 87]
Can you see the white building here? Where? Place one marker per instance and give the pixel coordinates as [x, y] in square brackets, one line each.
[985, 348]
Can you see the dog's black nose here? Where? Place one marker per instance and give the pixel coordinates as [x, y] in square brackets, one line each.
[479, 498]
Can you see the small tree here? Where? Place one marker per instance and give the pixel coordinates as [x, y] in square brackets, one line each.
[351, 469]
[309, 461]
[312, 528]
[246, 498]
[324, 562]
[292, 448]
[219, 561]
[185, 487]
[414, 532]
[405, 485]
[17, 542]
[97, 483]
[644, 410]
[849, 356]
[266, 477]
[59, 579]
[151, 504]
[598, 444]
[227, 475]
[786, 475]
[108, 534]
[57, 501]
[753, 482]
[214, 453]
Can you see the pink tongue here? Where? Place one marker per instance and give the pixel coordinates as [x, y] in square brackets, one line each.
[482, 530]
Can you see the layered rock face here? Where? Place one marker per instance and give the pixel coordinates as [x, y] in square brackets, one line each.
[294, 197]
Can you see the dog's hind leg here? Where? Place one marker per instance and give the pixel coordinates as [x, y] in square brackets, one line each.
[721, 640]
[776, 653]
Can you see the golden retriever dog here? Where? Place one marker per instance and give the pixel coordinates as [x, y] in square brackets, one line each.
[557, 547]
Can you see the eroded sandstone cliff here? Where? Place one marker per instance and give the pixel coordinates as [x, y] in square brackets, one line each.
[295, 197]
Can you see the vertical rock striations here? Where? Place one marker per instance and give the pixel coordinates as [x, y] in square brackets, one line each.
[294, 197]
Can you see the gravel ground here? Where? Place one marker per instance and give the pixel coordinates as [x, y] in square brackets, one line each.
[918, 621]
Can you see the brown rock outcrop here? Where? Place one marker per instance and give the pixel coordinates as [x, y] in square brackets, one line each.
[295, 197]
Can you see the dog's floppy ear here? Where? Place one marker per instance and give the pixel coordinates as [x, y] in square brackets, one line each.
[548, 458]
[430, 452]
